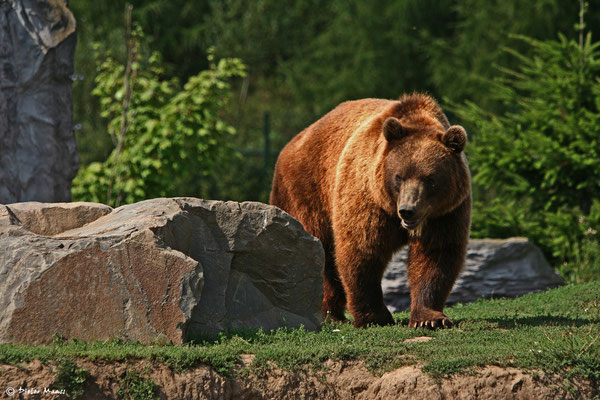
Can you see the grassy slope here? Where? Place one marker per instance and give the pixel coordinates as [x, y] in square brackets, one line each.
[554, 331]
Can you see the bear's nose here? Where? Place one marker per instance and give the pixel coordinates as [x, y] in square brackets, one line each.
[406, 212]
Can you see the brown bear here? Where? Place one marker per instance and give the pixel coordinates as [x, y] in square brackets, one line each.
[369, 177]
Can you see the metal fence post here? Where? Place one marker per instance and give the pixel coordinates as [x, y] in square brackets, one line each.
[267, 150]
[267, 133]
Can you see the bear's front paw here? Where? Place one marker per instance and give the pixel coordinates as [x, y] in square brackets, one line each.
[430, 320]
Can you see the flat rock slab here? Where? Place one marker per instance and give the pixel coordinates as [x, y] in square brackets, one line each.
[493, 268]
[167, 269]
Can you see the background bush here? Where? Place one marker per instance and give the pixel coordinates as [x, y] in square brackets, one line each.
[168, 139]
[536, 166]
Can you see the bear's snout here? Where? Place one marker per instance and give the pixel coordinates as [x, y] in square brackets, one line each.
[408, 204]
[409, 217]
[407, 212]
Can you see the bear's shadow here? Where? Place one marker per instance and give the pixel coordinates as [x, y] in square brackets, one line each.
[545, 320]
[516, 322]
[542, 320]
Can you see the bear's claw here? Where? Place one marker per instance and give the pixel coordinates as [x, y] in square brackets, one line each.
[443, 322]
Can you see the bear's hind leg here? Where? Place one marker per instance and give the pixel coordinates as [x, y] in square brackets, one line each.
[334, 298]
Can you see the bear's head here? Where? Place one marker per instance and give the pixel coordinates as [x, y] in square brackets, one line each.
[425, 170]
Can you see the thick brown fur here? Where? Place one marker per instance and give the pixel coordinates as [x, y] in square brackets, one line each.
[368, 177]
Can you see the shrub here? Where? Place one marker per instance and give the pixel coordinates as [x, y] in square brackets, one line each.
[536, 167]
[135, 387]
[70, 378]
[167, 138]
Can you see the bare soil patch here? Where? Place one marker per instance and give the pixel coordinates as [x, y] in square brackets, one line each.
[339, 380]
[418, 339]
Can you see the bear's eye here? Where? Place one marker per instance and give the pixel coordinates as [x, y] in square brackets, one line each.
[429, 181]
[399, 179]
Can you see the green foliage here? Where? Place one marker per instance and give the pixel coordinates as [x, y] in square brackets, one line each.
[461, 58]
[98, 22]
[369, 49]
[306, 57]
[315, 54]
[134, 386]
[70, 378]
[535, 167]
[173, 137]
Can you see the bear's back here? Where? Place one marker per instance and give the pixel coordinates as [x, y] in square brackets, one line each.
[332, 131]
[305, 171]
[319, 147]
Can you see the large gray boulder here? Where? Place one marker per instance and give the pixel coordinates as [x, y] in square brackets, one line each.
[493, 268]
[38, 154]
[168, 269]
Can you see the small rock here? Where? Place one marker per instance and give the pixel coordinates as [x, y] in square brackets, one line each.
[418, 339]
[517, 385]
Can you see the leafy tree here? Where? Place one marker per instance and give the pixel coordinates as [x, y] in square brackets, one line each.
[97, 22]
[369, 49]
[466, 54]
[535, 167]
[100, 23]
[168, 139]
[177, 29]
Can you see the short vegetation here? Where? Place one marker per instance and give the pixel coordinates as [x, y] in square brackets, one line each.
[135, 386]
[70, 378]
[557, 331]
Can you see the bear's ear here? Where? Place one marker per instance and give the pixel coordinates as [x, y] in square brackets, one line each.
[393, 129]
[455, 138]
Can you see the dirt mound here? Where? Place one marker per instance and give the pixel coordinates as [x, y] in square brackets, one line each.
[339, 380]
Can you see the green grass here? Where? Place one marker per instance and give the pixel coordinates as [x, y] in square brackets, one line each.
[556, 331]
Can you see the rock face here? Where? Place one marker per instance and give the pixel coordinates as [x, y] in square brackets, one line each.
[493, 268]
[38, 154]
[169, 269]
